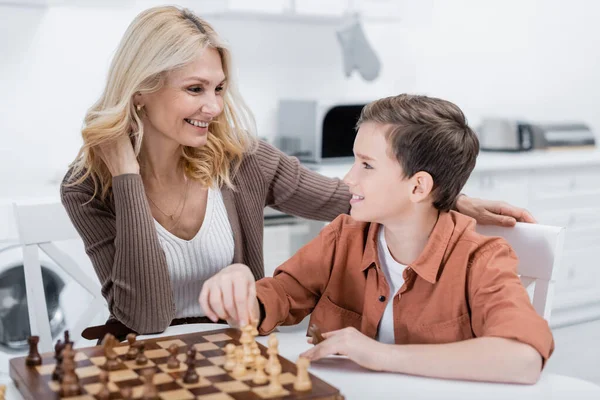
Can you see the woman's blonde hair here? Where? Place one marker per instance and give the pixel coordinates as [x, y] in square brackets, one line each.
[160, 40]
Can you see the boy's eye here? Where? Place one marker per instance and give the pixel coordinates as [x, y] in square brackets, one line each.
[366, 165]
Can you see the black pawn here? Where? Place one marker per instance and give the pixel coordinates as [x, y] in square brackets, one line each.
[191, 376]
[58, 372]
[141, 358]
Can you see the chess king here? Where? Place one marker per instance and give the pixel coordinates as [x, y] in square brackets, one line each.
[404, 283]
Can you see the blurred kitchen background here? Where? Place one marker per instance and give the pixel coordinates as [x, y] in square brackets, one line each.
[525, 72]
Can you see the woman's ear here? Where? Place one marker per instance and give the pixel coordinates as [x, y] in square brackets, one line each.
[422, 186]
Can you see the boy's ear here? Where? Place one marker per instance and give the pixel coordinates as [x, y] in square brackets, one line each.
[422, 186]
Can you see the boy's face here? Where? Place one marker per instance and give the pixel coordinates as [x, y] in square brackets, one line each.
[380, 192]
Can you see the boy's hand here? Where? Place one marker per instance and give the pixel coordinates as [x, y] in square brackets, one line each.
[231, 295]
[490, 212]
[349, 342]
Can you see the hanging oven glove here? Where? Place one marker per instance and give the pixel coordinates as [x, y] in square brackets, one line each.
[357, 52]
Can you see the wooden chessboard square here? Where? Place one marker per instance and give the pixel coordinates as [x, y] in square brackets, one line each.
[213, 353]
[54, 386]
[248, 377]
[219, 360]
[81, 397]
[157, 353]
[183, 356]
[80, 357]
[131, 364]
[85, 372]
[167, 387]
[232, 387]
[84, 363]
[204, 390]
[203, 363]
[45, 369]
[287, 378]
[122, 375]
[219, 337]
[164, 368]
[162, 378]
[215, 396]
[166, 343]
[202, 382]
[206, 346]
[121, 350]
[181, 394]
[221, 378]
[263, 392]
[210, 371]
[94, 388]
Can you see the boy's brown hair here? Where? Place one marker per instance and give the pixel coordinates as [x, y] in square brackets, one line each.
[431, 135]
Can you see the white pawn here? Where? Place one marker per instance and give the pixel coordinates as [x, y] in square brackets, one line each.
[260, 377]
[273, 351]
[275, 386]
[240, 368]
[230, 352]
[302, 382]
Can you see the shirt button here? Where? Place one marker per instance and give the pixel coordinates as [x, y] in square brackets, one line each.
[382, 298]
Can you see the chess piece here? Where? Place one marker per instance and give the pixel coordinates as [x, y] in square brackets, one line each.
[127, 393]
[2, 392]
[302, 382]
[150, 392]
[112, 358]
[58, 373]
[246, 340]
[275, 386]
[260, 377]
[191, 376]
[230, 352]
[68, 338]
[141, 358]
[133, 349]
[240, 368]
[254, 328]
[70, 382]
[315, 332]
[33, 358]
[273, 351]
[104, 392]
[173, 362]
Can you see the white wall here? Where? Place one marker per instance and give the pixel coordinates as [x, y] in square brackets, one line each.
[524, 58]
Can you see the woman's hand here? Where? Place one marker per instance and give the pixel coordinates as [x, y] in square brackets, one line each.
[231, 295]
[119, 156]
[361, 349]
[490, 212]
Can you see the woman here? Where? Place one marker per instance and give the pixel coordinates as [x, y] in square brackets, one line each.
[169, 186]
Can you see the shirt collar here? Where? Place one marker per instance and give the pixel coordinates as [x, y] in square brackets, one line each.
[428, 263]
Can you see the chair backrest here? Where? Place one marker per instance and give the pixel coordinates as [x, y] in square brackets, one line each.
[38, 226]
[539, 248]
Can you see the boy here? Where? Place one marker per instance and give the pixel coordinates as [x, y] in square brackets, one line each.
[403, 284]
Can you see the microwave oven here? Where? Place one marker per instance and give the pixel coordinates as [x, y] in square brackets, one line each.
[317, 131]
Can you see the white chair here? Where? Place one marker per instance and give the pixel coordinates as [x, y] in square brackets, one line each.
[38, 226]
[539, 248]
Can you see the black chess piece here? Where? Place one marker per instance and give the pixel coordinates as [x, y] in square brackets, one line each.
[141, 358]
[33, 358]
[173, 362]
[58, 372]
[191, 376]
[68, 338]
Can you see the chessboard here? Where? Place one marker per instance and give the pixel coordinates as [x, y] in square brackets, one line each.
[215, 379]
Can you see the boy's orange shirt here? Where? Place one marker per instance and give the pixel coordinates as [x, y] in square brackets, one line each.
[463, 285]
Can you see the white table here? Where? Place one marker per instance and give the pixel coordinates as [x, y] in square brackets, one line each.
[357, 383]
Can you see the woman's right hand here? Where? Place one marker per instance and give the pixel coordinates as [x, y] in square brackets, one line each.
[119, 157]
[231, 295]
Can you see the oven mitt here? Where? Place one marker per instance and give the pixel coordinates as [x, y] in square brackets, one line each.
[357, 52]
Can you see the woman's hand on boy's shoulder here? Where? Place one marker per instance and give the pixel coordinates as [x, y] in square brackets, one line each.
[230, 295]
[349, 342]
[491, 212]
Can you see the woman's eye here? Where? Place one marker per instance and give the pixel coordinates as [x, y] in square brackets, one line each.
[367, 166]
[196, 89]
[219, 89]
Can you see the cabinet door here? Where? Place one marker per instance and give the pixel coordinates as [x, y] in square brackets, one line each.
[509, 186]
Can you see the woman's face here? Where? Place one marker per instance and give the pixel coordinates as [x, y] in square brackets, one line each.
[191, 97]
